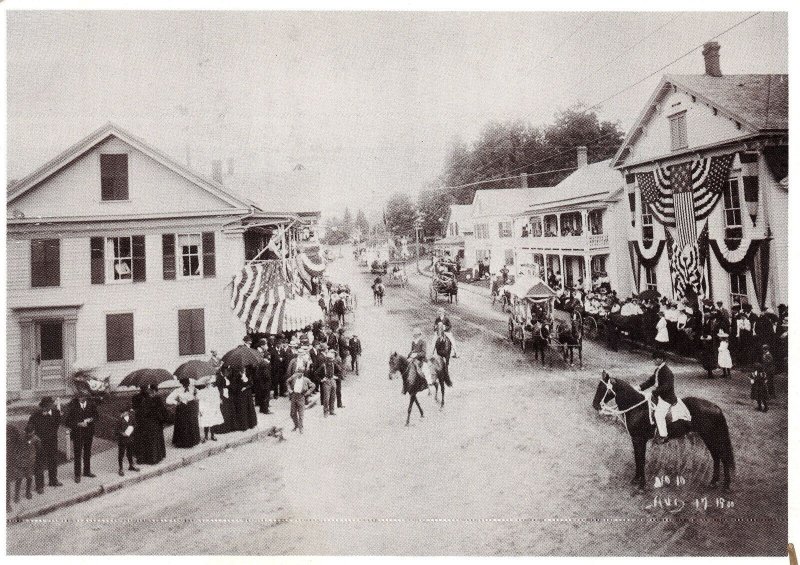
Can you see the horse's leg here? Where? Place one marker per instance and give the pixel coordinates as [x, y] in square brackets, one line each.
[715, 477]
[441, 383]
[411, 400]
[639, 454]
[421, 414]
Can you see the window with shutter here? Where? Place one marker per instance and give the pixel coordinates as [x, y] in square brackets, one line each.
[114, 177]
[98, 264]
[191, 332]
[168, 254]
[119, 337]
[139, 262]
[45, 262]
[677, 127]
[209, 255]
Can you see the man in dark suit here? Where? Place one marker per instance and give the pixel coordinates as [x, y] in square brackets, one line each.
[80, 418]
[663, 396]
[355, 352]
[44, 423]
[277, 358]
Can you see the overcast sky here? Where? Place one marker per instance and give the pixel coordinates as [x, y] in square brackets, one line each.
[370, 100]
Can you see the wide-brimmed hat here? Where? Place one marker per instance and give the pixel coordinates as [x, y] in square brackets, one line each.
[721, 333]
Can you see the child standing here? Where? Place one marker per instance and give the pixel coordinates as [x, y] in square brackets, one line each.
[724, 355]
[124, 431]
[355, 352]
[759, 390]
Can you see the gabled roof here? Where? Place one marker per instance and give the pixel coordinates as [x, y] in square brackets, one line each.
[99, 136]
[502, 201]
[597, 180]
[759, 102]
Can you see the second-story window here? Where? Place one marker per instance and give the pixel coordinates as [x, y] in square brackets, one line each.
[119, 251]
[647, 226]
[677, 129]
[114, 177]
[481, 231]
[536, 226]
[550, 226]
[733, 212]
[504, 229]
[190, 255]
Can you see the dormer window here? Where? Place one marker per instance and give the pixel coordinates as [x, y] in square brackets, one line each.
[114, 176]
[677, 128]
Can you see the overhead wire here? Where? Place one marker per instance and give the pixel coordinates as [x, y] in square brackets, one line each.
[632, 85]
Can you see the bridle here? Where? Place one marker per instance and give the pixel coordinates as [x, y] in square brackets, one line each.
[621, 415]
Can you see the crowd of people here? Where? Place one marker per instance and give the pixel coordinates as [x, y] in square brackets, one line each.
[298, 365]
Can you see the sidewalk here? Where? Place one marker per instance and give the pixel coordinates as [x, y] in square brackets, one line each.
[104, 465]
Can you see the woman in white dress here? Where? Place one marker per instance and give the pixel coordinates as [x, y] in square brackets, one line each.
[724, 355]
[662, 334]
[210, 407]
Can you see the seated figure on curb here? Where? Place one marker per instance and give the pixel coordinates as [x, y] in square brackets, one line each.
[662, 385]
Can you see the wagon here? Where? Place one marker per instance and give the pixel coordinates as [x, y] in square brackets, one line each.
[443, 284]
[396, 274]
[530, 300]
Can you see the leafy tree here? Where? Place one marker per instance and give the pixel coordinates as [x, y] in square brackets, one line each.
[400, 214]
[347, 222]
[433, 205]
[361, 224]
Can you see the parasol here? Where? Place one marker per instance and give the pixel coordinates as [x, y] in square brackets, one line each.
[195, 369]
[141, 377]
[241, 357]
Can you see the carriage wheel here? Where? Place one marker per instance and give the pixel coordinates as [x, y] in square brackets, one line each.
[590, 326]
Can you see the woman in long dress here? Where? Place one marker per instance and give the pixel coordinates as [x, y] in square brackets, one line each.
[187, 427]
[724, 356]
[151, 414]
[227, 407]
[210, 408]
[242, 386]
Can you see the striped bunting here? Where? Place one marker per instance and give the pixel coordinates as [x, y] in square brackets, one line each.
[263, 298]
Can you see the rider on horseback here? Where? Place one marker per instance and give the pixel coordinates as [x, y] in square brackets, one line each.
[442, 318]
[419, 351]
[663, 396]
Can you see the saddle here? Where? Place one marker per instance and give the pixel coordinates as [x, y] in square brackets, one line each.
[676, 412]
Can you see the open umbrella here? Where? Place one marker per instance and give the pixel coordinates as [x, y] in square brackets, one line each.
[195, 369]
[241, 357]
[146, 377]
[649, 294]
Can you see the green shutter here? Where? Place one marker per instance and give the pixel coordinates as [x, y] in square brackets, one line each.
[168, 254]
[98, 266]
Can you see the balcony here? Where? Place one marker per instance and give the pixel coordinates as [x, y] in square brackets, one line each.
[563, 242]
[597, 241]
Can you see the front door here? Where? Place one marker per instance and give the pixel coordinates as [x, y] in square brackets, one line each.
[48, 361]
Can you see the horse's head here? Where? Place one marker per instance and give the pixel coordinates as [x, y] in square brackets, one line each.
[395, 364]
[605, 391]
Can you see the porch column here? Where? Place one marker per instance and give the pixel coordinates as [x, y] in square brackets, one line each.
[27, 338]
[544, 270]
[587, 276]
[70, 345]
[563, 271]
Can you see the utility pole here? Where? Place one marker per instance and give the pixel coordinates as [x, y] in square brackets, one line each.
[417, 229]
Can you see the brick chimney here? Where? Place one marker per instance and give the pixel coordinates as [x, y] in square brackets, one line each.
[711, 56]
[583, 156]
[216, 170]
[523, 179]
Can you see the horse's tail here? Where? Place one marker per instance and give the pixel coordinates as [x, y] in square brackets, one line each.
[725, 447]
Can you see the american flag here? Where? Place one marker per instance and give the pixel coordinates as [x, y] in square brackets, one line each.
[259, 293]
[657, 196]
[708, 179]
[681, 180]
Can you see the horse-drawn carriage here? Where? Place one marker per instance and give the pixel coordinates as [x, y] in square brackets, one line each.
[397, 275]
[444, 284]
[379, 267]
[534, 320]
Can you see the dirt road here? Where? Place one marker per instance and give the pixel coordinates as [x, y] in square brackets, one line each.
[516, 463]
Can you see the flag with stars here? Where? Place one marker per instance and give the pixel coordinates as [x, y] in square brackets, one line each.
[657, 197]
[685, 225]
[708, 179]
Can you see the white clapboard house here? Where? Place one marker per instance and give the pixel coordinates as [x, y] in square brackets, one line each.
[706, 169]
[120, 258]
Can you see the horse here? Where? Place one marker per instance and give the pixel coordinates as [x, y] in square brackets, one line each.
[399, 276]
[413, 381]
[707, 421]
[440, 362]
[377, 291]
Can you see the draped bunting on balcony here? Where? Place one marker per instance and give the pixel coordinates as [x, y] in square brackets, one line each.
[264, 296]
[310, 263]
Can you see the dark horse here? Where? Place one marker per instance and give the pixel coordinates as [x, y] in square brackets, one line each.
[440, 363]
[708, 422]
[377, 291]
[413, 381]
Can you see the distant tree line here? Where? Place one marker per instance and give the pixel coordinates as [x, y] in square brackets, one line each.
[504, 150]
